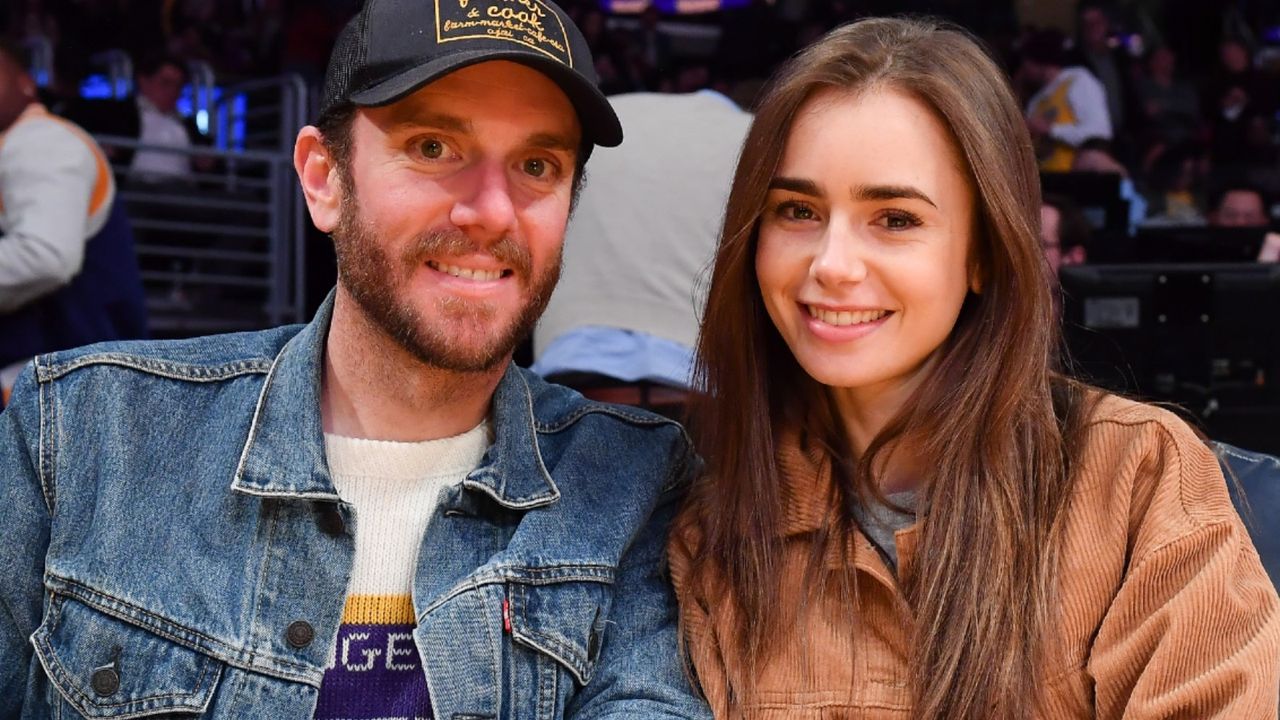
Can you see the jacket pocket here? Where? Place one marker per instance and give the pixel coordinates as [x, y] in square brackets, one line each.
[564, 620]
[104, 667]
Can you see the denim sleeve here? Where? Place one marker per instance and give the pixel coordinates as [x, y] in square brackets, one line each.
[25, 504]
[639, 673]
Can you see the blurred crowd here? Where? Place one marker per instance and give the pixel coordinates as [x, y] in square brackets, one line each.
[1184, 97]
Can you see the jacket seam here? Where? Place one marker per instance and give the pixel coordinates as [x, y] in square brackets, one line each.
[84, 699]
[1157, 550]
[606, 576]
[162, 368]
[237, 480]
[593, 407]
[46, 451]
[148, 621]
[1173, 454]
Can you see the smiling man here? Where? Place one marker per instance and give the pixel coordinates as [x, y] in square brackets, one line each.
[375, 515]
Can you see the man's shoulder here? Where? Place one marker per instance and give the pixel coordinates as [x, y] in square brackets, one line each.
[43, 138]
[200, 359]
[557, 408]
[564, 419]
[1080, 74]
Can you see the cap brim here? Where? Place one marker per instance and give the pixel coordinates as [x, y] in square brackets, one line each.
[599, 122]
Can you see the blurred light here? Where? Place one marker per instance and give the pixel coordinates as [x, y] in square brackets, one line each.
[671, 7]
[96, 87]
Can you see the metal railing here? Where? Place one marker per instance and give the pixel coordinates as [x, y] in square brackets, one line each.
[270, 111]
[220, 248]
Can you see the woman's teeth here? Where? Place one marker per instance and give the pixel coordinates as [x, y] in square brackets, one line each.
[844, 317]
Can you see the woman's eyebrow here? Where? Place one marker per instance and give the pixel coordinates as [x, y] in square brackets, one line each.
[889, 192]
[796, 185]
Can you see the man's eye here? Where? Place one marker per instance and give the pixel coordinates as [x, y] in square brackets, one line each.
[432, 149]
[535, 167]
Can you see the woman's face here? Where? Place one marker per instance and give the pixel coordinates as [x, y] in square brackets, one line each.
[865, 241]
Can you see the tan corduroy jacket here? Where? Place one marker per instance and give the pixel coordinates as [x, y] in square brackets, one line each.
[1166, 610]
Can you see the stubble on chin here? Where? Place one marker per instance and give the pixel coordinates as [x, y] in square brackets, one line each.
[377, 283]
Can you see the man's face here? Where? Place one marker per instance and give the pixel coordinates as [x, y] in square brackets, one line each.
[1240, 208]
[451, 228]
[1094, 28]
[17, 91]
[1050, 239]
[163, 88]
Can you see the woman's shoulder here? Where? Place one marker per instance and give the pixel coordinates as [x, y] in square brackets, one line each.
[1146, 459]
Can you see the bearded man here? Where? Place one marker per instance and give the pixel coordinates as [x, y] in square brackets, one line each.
[376, 515]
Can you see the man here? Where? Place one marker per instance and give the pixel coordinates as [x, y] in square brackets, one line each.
[67, 270]
[1064, 232]
[624, 319]
[1243, 206]
[1069, 106]
[159, 81]
[376, 515]
[1094, 51]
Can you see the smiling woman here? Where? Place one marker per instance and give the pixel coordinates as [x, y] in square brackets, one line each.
[907, 510]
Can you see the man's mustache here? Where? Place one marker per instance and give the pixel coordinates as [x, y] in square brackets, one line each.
[453, 243]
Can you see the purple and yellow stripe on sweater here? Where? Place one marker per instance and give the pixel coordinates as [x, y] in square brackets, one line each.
[374, 672]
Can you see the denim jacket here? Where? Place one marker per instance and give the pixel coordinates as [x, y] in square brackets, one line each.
[167, 516]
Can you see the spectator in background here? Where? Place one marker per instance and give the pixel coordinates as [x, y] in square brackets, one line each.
[1064, 232]
[160, 79]
[68, 275]
[1069, 106]
[1094, 156]
[1238, 205]
[1173, 179]
[1236, 97]
[625, 315]
[1170, 106]
[1094, 51]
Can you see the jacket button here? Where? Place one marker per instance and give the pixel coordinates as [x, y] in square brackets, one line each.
[300, 634]
[105, 681]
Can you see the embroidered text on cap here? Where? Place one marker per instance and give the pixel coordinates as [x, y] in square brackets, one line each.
[531, 23]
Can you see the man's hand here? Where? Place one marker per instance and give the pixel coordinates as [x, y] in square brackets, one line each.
[1270, 248]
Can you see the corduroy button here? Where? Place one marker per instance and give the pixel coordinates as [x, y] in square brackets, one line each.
[105, 681]
[300, 634]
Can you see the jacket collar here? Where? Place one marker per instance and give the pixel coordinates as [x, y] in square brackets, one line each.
[284, 454]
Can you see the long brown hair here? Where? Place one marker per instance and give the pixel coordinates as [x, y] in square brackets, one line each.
[993, 416]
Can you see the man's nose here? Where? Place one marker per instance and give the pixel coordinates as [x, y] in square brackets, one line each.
[484, 209]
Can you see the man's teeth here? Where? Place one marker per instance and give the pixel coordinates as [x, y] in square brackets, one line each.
[832, 317]
[466, 273]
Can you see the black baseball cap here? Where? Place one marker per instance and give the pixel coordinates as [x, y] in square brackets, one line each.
[393, 47]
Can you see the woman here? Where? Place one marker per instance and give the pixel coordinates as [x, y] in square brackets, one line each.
[906, 511]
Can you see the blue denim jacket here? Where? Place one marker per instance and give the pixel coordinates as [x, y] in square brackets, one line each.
[168, 514]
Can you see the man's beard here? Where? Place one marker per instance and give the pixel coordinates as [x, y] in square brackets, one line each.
[378, 284]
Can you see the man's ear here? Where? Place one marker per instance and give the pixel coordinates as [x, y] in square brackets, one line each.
[318, 174]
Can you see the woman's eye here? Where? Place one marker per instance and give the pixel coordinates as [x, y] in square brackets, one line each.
[900, 221]
[796, 211]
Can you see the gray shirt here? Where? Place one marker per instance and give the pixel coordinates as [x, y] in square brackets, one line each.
[879, 522]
